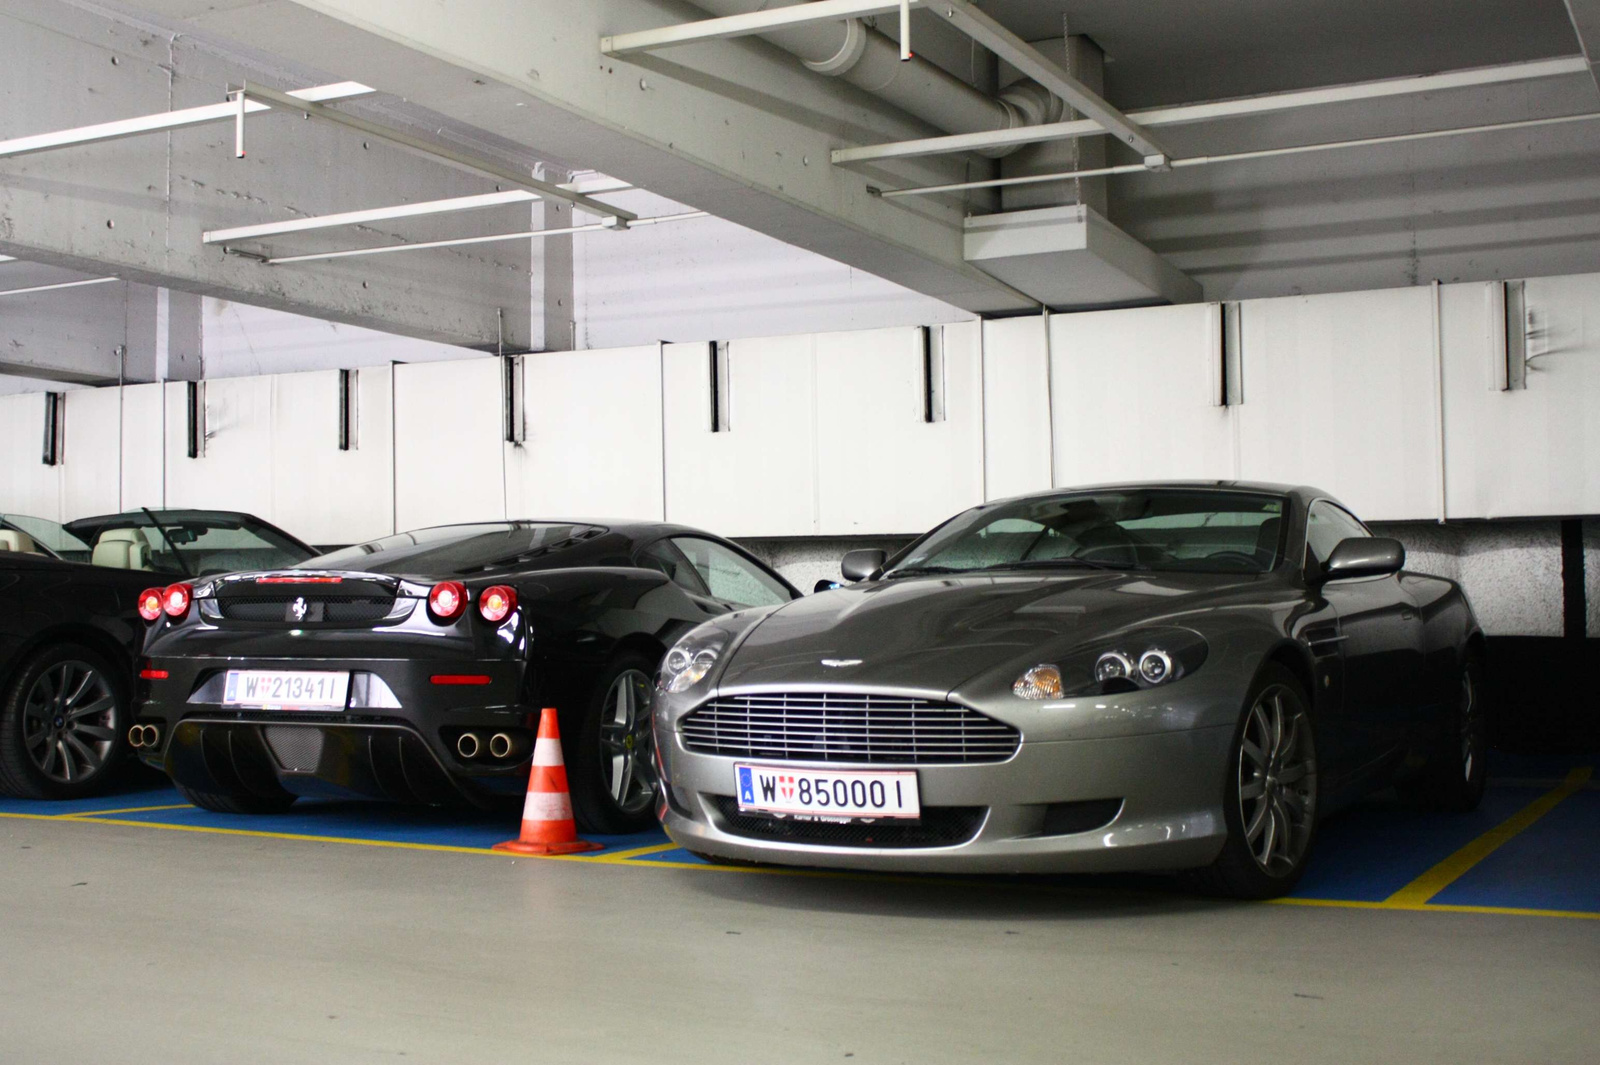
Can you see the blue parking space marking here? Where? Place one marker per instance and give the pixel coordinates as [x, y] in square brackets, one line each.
[148, 796]
[1372, 850]
[1553, 865]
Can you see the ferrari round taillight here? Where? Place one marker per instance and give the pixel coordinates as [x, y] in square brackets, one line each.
[496, 603]
[150, 601]
[175, 600]
[447, 601]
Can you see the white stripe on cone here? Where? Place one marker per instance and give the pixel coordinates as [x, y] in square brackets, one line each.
[547, 806]
[547, 752]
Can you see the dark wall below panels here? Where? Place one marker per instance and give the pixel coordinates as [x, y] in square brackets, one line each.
[1543, 696]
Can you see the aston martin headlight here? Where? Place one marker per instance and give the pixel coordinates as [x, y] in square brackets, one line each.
[690, 660]
[1040, 682]
[1112, 665]
[1155, 666]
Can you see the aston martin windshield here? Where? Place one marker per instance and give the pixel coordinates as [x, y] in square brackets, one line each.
[459, 549]
[1191, 530]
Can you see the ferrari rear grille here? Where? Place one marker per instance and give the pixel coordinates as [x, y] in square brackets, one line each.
[327, 609]
[847, 727]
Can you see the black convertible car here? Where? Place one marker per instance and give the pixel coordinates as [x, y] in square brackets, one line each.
[70, 632]
[414, 667]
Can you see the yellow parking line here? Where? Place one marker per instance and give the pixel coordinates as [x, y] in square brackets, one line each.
[1448, 871]
[124, 810]
[1424, 907]
[637, 852]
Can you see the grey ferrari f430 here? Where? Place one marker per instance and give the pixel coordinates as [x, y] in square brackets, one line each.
[1131, 677]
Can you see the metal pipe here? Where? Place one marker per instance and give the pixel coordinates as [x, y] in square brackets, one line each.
[505, 745]
[136, 736]
[467, 746]
[492, 238]
[167, 120]
[1236, 157]
[870, 60]
[1219, 109]
[58, 285]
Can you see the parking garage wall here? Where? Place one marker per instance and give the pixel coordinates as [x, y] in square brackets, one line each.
[805, 444]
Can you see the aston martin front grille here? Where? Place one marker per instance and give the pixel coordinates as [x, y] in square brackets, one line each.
[847, 727]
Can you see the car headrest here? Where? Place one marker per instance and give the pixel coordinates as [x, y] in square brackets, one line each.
[132, 536]
[16, 540]
[120, 554]
[1267, 537]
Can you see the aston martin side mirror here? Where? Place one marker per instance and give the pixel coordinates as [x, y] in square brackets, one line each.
[863, 564]
[1364, 556]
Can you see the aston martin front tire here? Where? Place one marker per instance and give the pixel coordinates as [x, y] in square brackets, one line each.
[611, 765]
[1269, 796]
[236, 802]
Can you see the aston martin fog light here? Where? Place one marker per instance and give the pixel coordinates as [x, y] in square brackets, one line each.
[1155, 666]
[1113, 665]
[1040, 682]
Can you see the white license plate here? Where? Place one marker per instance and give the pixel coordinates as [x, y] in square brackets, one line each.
[826, 794]
[276, 689]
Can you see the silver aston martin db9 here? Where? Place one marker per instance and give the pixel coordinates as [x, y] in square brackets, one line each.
[1152, 676]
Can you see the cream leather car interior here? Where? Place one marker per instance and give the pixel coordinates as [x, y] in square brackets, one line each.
[121, 549]
[16, 540]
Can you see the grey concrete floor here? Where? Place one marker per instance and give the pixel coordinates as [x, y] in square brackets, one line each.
[122, 944]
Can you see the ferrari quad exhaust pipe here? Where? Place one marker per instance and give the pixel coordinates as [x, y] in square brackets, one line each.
[505, 745]
[468, 745]
[144, 736]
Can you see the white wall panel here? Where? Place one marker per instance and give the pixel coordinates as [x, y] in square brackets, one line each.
[1136, 396]
[1016, 407]
[89, 472]
[1528, 451]
[448, 428]
[759, 477]
[593, 446]
[27, 485]
[234, 471]
[144, 446]
[881, 467]
[1340, 393]
[319, 493]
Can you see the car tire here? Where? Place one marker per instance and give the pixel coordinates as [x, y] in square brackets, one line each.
[63, 724]
[1457, 770]
[236, 802]
[611, 756]
[1269, 794]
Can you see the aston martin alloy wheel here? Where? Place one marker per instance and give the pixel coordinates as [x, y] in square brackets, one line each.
[1270, 799]
[1277, 781]
[61, 724]
[613, 771]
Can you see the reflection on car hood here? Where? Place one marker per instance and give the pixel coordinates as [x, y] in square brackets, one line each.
[934, 633]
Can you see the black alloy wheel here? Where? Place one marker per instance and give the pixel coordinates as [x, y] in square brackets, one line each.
[1270, 797]
[61, 724]
[611, 765]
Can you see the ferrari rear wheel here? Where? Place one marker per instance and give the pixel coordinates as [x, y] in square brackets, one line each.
[1270, 802]
[611, 770]
[61, 724]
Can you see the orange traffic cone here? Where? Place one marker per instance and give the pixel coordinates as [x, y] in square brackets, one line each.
[547, 825]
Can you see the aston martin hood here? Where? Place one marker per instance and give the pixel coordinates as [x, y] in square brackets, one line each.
[935, 633]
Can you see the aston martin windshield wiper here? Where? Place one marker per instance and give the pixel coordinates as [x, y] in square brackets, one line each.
[1066, 562]
[920, 571]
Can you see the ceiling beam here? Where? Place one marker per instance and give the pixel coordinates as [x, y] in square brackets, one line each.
[1220, 109]
[1585, 16]
[1036, 65]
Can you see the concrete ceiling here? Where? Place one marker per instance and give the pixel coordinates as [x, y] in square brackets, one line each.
[739, 129]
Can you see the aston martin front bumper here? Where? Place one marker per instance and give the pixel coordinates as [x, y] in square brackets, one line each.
[1147, 801]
